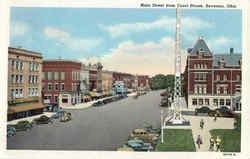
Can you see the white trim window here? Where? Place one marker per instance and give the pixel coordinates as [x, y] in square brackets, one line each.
[17, 78]
[218, 90]
[21, 92]
[225, 77]
[17, 65]
[36, 91]
[21, 65]
[62, 86]
[205, 89]
[49, 86]
[238, 77]
[200, 90]
[12, 78]
[225, 90]
[12, 93]
[21, 79]
[29, 92]
[16, 94]
[217, 77]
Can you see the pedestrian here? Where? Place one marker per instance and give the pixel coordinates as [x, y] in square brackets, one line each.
[199, 141]
[218, 142]
[201, 124]
[215, 117]
[211, 147]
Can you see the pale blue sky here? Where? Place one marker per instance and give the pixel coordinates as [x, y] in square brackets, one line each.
[108, 35]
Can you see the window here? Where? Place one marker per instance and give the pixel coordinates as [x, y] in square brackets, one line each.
[198, 66]
[225, 90]
[12, 93]
[21, 65]
[56, 99]
[36, 79]
[218, 90]
[194, 102]
[200, 90]
[21, 78]
[12, 78]
[56, 86]
[73, 86]
[17, 79]
[200, 101]
[222, 102]
[17, 65]
[62, 87]
[225, 77]
[238, 77]
[205, 89]
[238, 88]
[204, 76]
[30, 66]
[16, 92]
[206, 101]
[33, 79]
[32, 91]
[216, 102]
[201, 66]
[62, 75]
[21, 92]
[37, 66]
[49, 75]
[56, 75]
[36, 91]
[195, 66]
[228, 102]
[13, 63]
[49, 86]
[29, 92]
[43, 86]
[217, 77]
[43, 76]
[205, 66]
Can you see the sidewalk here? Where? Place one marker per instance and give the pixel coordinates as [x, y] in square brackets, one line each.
[49, 114]
[82, 105]
[221, 123]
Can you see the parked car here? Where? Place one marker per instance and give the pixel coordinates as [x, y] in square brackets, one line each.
[22, 126]
[11, 131]
[98, 103]
[224, 112]
[139, 145]
[66, 117]
[144, 135]
[43, 120]
[109, 100]
[58, 114]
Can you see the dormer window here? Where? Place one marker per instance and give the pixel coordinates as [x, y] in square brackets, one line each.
[222, 63]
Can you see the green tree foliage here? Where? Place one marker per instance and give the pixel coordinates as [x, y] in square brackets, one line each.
[237, 123]
[161, 81]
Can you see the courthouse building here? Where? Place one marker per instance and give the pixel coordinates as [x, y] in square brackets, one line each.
[24, 83]
[212, 79]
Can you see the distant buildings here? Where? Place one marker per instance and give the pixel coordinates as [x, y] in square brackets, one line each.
[24, 83]
[212, 80]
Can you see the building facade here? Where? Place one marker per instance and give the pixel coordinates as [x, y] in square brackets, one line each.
[24, 83]
[107, 80]
[61, 82]
[211, 79]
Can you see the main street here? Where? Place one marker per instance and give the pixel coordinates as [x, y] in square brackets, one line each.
[96, 128]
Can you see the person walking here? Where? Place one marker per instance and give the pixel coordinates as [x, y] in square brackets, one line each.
[215, 117]
[201, 124]
[199, 141]
[211, 147]
[218, 142]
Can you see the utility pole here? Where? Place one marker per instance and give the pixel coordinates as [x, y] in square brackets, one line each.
[162, 141]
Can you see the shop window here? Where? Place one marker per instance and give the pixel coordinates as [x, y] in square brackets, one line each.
[194, 102]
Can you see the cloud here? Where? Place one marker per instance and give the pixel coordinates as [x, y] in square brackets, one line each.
[148, 58]
[165, 23]
[18, 28]
[220, 43]
[65, 39]
[56, 33]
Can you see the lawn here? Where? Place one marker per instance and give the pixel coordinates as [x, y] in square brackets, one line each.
[230, 139]
[177, 140]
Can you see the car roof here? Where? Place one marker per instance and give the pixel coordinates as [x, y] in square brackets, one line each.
[139, 130]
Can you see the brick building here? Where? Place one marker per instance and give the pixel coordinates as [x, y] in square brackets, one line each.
[24, 83]
[61, 82]
[211, 79]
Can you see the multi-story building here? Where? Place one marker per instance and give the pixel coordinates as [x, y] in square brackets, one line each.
[107, 80]
[92, 69]
[143, 82]
[24, 83]
[211, 79]
[61, 82]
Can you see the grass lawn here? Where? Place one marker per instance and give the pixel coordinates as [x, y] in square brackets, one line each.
[177, 140]
[230, 139]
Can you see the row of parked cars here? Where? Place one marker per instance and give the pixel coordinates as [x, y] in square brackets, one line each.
[109, 100]
[25, 125]
[141, 140]
[223, 111]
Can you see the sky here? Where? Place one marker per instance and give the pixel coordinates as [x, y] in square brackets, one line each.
[137, 41]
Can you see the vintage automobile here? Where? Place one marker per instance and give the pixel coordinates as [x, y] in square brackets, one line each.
[58, 114]
[66, 117]
[22, 126]
[139, 145]
[43, 120]
[225, 112]
[98, 103]
[144, 135]
[11, 131]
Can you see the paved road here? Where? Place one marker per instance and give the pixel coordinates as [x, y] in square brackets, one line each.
[95, 128]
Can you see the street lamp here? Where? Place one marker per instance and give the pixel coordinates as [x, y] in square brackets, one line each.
[162, 141]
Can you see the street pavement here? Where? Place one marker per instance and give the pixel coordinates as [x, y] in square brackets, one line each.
[96, 128]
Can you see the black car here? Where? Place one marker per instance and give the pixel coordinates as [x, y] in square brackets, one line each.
[43, 120]
[201, 110]
[223, 112]
[22, 126]
[98, 103]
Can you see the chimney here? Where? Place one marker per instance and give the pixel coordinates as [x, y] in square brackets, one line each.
[231, 51]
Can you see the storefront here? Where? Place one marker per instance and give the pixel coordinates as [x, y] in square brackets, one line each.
[22, 111]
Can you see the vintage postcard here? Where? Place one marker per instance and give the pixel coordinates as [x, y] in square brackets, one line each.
[150, 79]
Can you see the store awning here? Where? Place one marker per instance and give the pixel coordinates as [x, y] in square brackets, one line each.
[26, 107]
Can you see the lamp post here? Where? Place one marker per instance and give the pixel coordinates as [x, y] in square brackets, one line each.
[162, 141]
